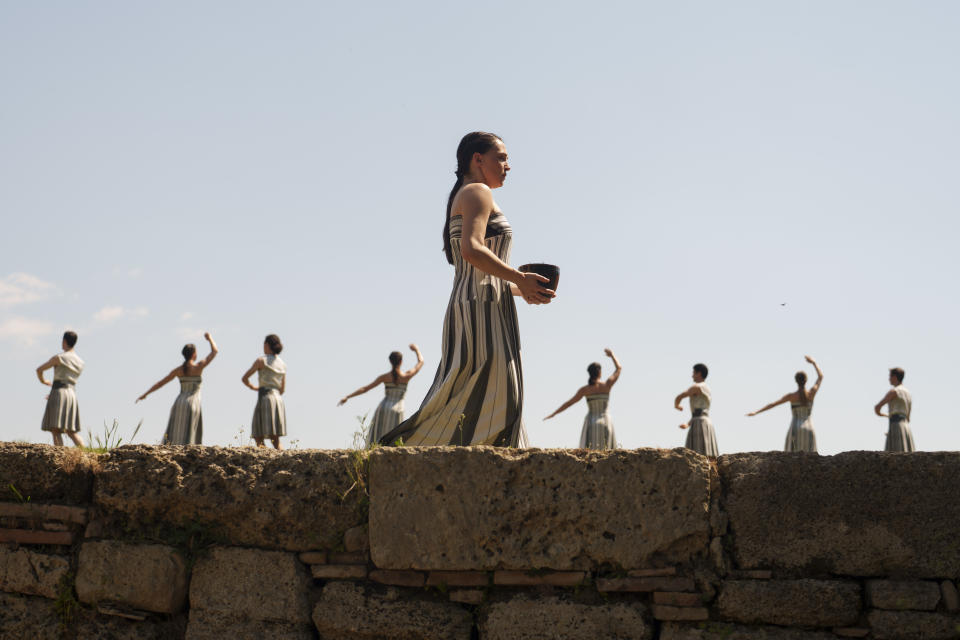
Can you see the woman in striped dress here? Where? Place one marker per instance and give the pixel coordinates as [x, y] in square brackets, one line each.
[270, 414]
[597, 432]
[701, 437]
[800, 436]
[389, 412]
[900, 404]
[62, 414]
[477, 393]
[186, 421]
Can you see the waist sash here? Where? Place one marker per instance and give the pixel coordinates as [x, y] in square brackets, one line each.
[61, 384]
[897, 417]
[265, 391]
[700, 413]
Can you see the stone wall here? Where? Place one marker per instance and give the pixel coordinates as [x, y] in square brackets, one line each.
[462, 543]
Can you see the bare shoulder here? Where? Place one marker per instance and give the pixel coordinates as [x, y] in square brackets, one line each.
[476, 196]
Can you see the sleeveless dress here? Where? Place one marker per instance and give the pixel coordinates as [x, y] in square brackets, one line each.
[800, 436]
[186, 422]
[700, 435]
[270, 414]
[389, 412]
[63, 412]
[477, 393]
[899, 435]
[597, 430]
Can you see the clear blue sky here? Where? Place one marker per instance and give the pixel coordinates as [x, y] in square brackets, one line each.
[251, 168]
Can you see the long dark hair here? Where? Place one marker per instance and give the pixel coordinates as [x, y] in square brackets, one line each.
[187, 352]
[801, 379]
[473, 142]
[395, 359]
[593, 369]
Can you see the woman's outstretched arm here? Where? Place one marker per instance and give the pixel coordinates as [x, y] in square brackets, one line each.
[770, 406]
[566, 405]
[362, 390]
[816, 385]
[692, 391]
[213, 350]
[616, 372]
[167, 378]
[416, 368]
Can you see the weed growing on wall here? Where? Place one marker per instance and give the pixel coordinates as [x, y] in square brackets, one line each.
[18, 495]
[111, 437]
[66, 604]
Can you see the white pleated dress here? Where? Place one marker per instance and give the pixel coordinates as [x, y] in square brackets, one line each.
[186, 419]
[800, 436]
[62, 412]
[700, 435]
[270, 414]
[597, 430]
[389, 412]
[899, 435]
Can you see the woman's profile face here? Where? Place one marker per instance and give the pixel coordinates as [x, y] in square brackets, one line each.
[266, 349]
[494, 165]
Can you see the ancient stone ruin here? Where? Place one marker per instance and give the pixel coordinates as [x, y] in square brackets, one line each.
[476, 542]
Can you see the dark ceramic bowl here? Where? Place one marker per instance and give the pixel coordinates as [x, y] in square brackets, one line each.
[550, 271]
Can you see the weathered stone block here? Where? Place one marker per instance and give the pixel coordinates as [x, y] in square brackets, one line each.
[667, 612]
[466, 596]
[32, 536]
[152, 577]
[527, 618]
[94, 627]
[645, 584]
[31, 573]
[346, 612]
[44, 473]
[815, 603]
[211, 625]
[951, 599]
[462, 508]
[917, 595]
[851, 632]
[678, 599]
[458, 578]
[652, 573]
[249, 584]
[250, 497]
[726, 631]
[338, 571]
[398, 578]
[913, 625]
[356, 539]
[531, 579]
[846, 514]
[28, 617]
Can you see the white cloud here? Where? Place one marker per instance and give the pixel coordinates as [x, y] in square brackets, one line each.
[24, 330]
[186, 315]
[112, 313]
[23, 288]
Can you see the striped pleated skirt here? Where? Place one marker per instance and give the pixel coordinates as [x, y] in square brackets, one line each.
[269, 416]
[389, 413]
[62, 412]
[700, 435]
[597, 432]
[800, 436]
[186, 420]
[899, 435]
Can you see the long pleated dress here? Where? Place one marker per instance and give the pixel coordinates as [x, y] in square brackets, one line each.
[186, 421]
[63, 412]
[597, 432]
[479, 376]
[899, 435]
[800, 436]
[389, 412]
[270, 414]
[700, 435]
